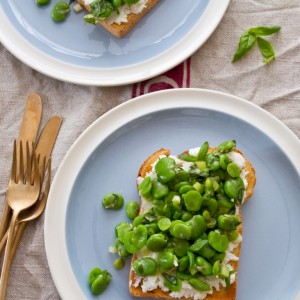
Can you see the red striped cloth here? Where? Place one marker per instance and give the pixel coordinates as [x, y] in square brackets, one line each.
[178, 77]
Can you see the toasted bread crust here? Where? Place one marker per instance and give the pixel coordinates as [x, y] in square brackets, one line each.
[120, 30]
[222, 294]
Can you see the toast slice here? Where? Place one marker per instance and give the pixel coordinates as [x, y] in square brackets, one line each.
[120, 30]
[222, 293]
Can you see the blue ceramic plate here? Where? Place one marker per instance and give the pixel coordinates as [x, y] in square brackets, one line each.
[107, 156]
[82, 53]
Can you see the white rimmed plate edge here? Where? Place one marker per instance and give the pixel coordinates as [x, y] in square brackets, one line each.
[57, 69]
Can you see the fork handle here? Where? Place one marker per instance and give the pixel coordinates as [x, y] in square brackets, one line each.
[3, 242]
[8, 256]
[5, 218]
[19, 229]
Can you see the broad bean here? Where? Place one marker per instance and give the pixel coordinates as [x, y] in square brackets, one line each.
[199, 285]
[165, 260]
[113, 201]
[205, 266]
[227, 146]
[159, 190]
[99, 280]
[134, 240]
[198, 226]
[145, 187]
[192, 200]
[172, 282]
[132, 209]
[228, 222]
[60, 11]
[165, 169]
[218, 241]
[145, 266]
[156, 242]
[234, 189]
[119, 263]
[42, 2]
[233, 170]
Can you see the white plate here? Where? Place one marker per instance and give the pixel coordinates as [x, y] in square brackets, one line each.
[107, 156]
[82, 53]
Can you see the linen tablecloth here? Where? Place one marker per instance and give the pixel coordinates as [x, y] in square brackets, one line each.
[275, 87]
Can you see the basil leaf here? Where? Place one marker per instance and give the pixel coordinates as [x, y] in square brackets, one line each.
[247, 40]
[264, 31]
[266, 49]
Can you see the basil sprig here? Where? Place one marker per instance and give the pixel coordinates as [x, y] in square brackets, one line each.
[249, 38]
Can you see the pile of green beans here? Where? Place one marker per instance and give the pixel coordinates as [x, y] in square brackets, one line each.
[191, 221]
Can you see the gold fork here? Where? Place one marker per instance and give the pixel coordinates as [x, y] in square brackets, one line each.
[29, 214]
[23, 191]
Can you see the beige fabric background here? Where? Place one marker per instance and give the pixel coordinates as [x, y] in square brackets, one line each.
[274, 87]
